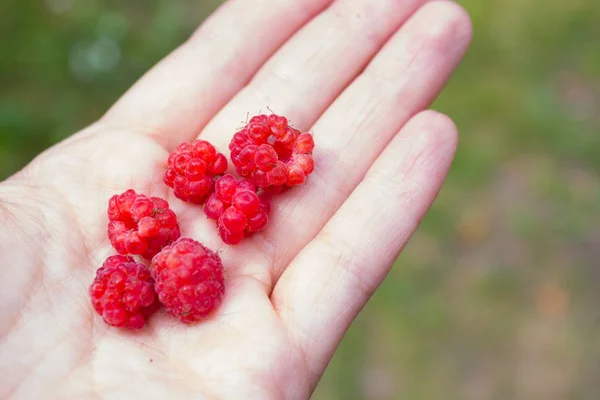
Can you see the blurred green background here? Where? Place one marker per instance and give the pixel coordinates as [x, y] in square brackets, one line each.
[497, 295]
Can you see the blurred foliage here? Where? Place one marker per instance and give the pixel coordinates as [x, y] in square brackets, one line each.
[64, 62]
[495, 297]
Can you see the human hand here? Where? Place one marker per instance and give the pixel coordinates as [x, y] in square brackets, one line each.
[292, 290]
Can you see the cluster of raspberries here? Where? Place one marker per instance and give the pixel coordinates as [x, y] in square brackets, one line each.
[184, 276]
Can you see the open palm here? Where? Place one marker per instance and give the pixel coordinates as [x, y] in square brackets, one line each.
[357, 73]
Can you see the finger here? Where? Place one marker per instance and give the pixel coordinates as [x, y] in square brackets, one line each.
[400, 82]
[302, 79]
[325, 287]
[175, 99]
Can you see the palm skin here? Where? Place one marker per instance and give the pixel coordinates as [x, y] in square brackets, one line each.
[292, 290]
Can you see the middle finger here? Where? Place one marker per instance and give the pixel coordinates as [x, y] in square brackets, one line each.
[307, 73]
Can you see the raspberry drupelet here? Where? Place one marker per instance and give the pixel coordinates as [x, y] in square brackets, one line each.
[123, 292]
[191, 169]
[237, 209]
[189, 280]
[272, 154]
[141, 225]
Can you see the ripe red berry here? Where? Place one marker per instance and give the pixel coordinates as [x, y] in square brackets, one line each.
[272, 154]
[191, 168]
[123, 292]
[189, 279]
[140, 225]
[237, 208]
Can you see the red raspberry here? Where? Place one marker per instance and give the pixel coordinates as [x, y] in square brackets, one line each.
[237, 209]
[140, 225]
[123, 292]
[191, 168]
[272, 154]
[189, 279]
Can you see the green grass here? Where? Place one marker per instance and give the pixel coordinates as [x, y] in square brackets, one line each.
[495, 297]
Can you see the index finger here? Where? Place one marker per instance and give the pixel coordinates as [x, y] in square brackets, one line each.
[177, 97]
